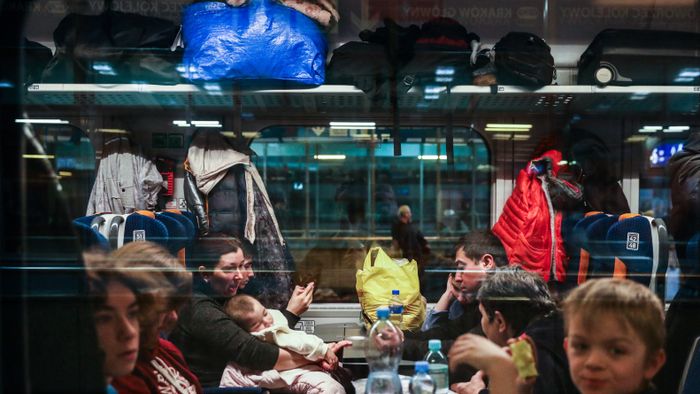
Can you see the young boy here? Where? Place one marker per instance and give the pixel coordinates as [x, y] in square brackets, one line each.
[271, 326]
[615, 337]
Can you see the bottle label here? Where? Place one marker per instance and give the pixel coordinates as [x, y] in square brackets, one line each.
[396, 309]
[439, 373]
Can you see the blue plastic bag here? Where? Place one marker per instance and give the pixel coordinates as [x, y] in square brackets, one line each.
[261, 40]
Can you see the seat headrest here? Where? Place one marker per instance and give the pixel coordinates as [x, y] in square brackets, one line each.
[190, 229]
[177, 234]
[632, 244]
[87, 236]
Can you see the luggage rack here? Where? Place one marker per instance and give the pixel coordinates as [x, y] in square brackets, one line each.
[339, 99]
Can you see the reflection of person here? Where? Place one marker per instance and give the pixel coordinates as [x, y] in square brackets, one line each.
[601, 187]
[161, 367]
[683, 315]
[452, 224]
[116, 314]
[207, 336]
[514, 302]
[271, 326]
[411, 241]
[615, 337]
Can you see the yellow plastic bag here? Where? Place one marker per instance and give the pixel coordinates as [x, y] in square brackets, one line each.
[379, 275]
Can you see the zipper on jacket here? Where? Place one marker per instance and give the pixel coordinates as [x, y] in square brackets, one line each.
[552, 230]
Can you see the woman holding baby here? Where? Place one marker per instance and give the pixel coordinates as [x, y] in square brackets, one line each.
[205, 333]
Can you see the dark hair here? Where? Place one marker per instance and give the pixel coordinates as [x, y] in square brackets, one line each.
[101, 270]
[169, 282]
[519, 296]
[208, 250]
[478, 243]
[239, 308]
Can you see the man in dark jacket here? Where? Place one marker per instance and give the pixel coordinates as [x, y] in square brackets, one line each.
[457, 310]
[683, 315]
[514, 302]
[410, 240]
[476, 254]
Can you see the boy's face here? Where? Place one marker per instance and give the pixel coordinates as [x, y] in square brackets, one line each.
[260, 318]
[610, 358]
[494, 329]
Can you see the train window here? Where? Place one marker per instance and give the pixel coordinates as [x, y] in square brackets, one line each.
[336, 192]
[579, 167]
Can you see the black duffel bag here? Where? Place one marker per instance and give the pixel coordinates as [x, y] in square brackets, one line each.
[524, 59]
[376, 63]
[114, 47]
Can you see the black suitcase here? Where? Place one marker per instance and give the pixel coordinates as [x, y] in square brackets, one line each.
[524, 59]
[641, 57]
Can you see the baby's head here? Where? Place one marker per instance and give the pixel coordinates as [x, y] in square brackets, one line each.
[615, 336]
[248, 313]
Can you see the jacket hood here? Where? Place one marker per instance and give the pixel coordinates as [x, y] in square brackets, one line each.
[690, 152]
[209, 157]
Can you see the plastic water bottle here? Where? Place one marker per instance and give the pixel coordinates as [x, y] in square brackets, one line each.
[421, 382]
[383, 353]
[396, 309]
[437, 366]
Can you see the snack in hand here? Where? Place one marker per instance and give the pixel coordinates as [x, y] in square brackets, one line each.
[522, 353]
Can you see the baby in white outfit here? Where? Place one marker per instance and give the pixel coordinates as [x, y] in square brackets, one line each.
[271, 326]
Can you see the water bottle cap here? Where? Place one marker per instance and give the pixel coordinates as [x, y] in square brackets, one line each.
[421, 366]
[383, 312]
[434, 344]
[395, 292]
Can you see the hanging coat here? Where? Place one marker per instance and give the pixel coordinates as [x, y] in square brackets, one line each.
[126, 181]
[238, 205]
[530, 228]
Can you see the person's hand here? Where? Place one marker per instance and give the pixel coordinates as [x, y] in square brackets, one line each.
[524, 386]
[387, 338]
[331, 358]
[301, 299]
[330, 361]
[453, 292]
[473, 386]
[488, 357]
[476, 351]
[337, 346]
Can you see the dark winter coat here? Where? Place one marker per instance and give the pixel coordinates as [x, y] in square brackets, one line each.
[216, 187]
[209, 339]
[684, 173]
[548, 335]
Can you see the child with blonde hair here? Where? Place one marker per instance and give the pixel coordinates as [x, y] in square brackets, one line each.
[615, 337]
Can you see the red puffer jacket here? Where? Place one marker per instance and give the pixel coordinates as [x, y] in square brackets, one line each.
[530, 229]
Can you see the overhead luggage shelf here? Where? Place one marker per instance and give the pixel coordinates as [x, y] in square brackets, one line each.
[339, 99]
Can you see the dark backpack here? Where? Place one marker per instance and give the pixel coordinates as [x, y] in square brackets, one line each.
[524, 59]
[113, 47]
